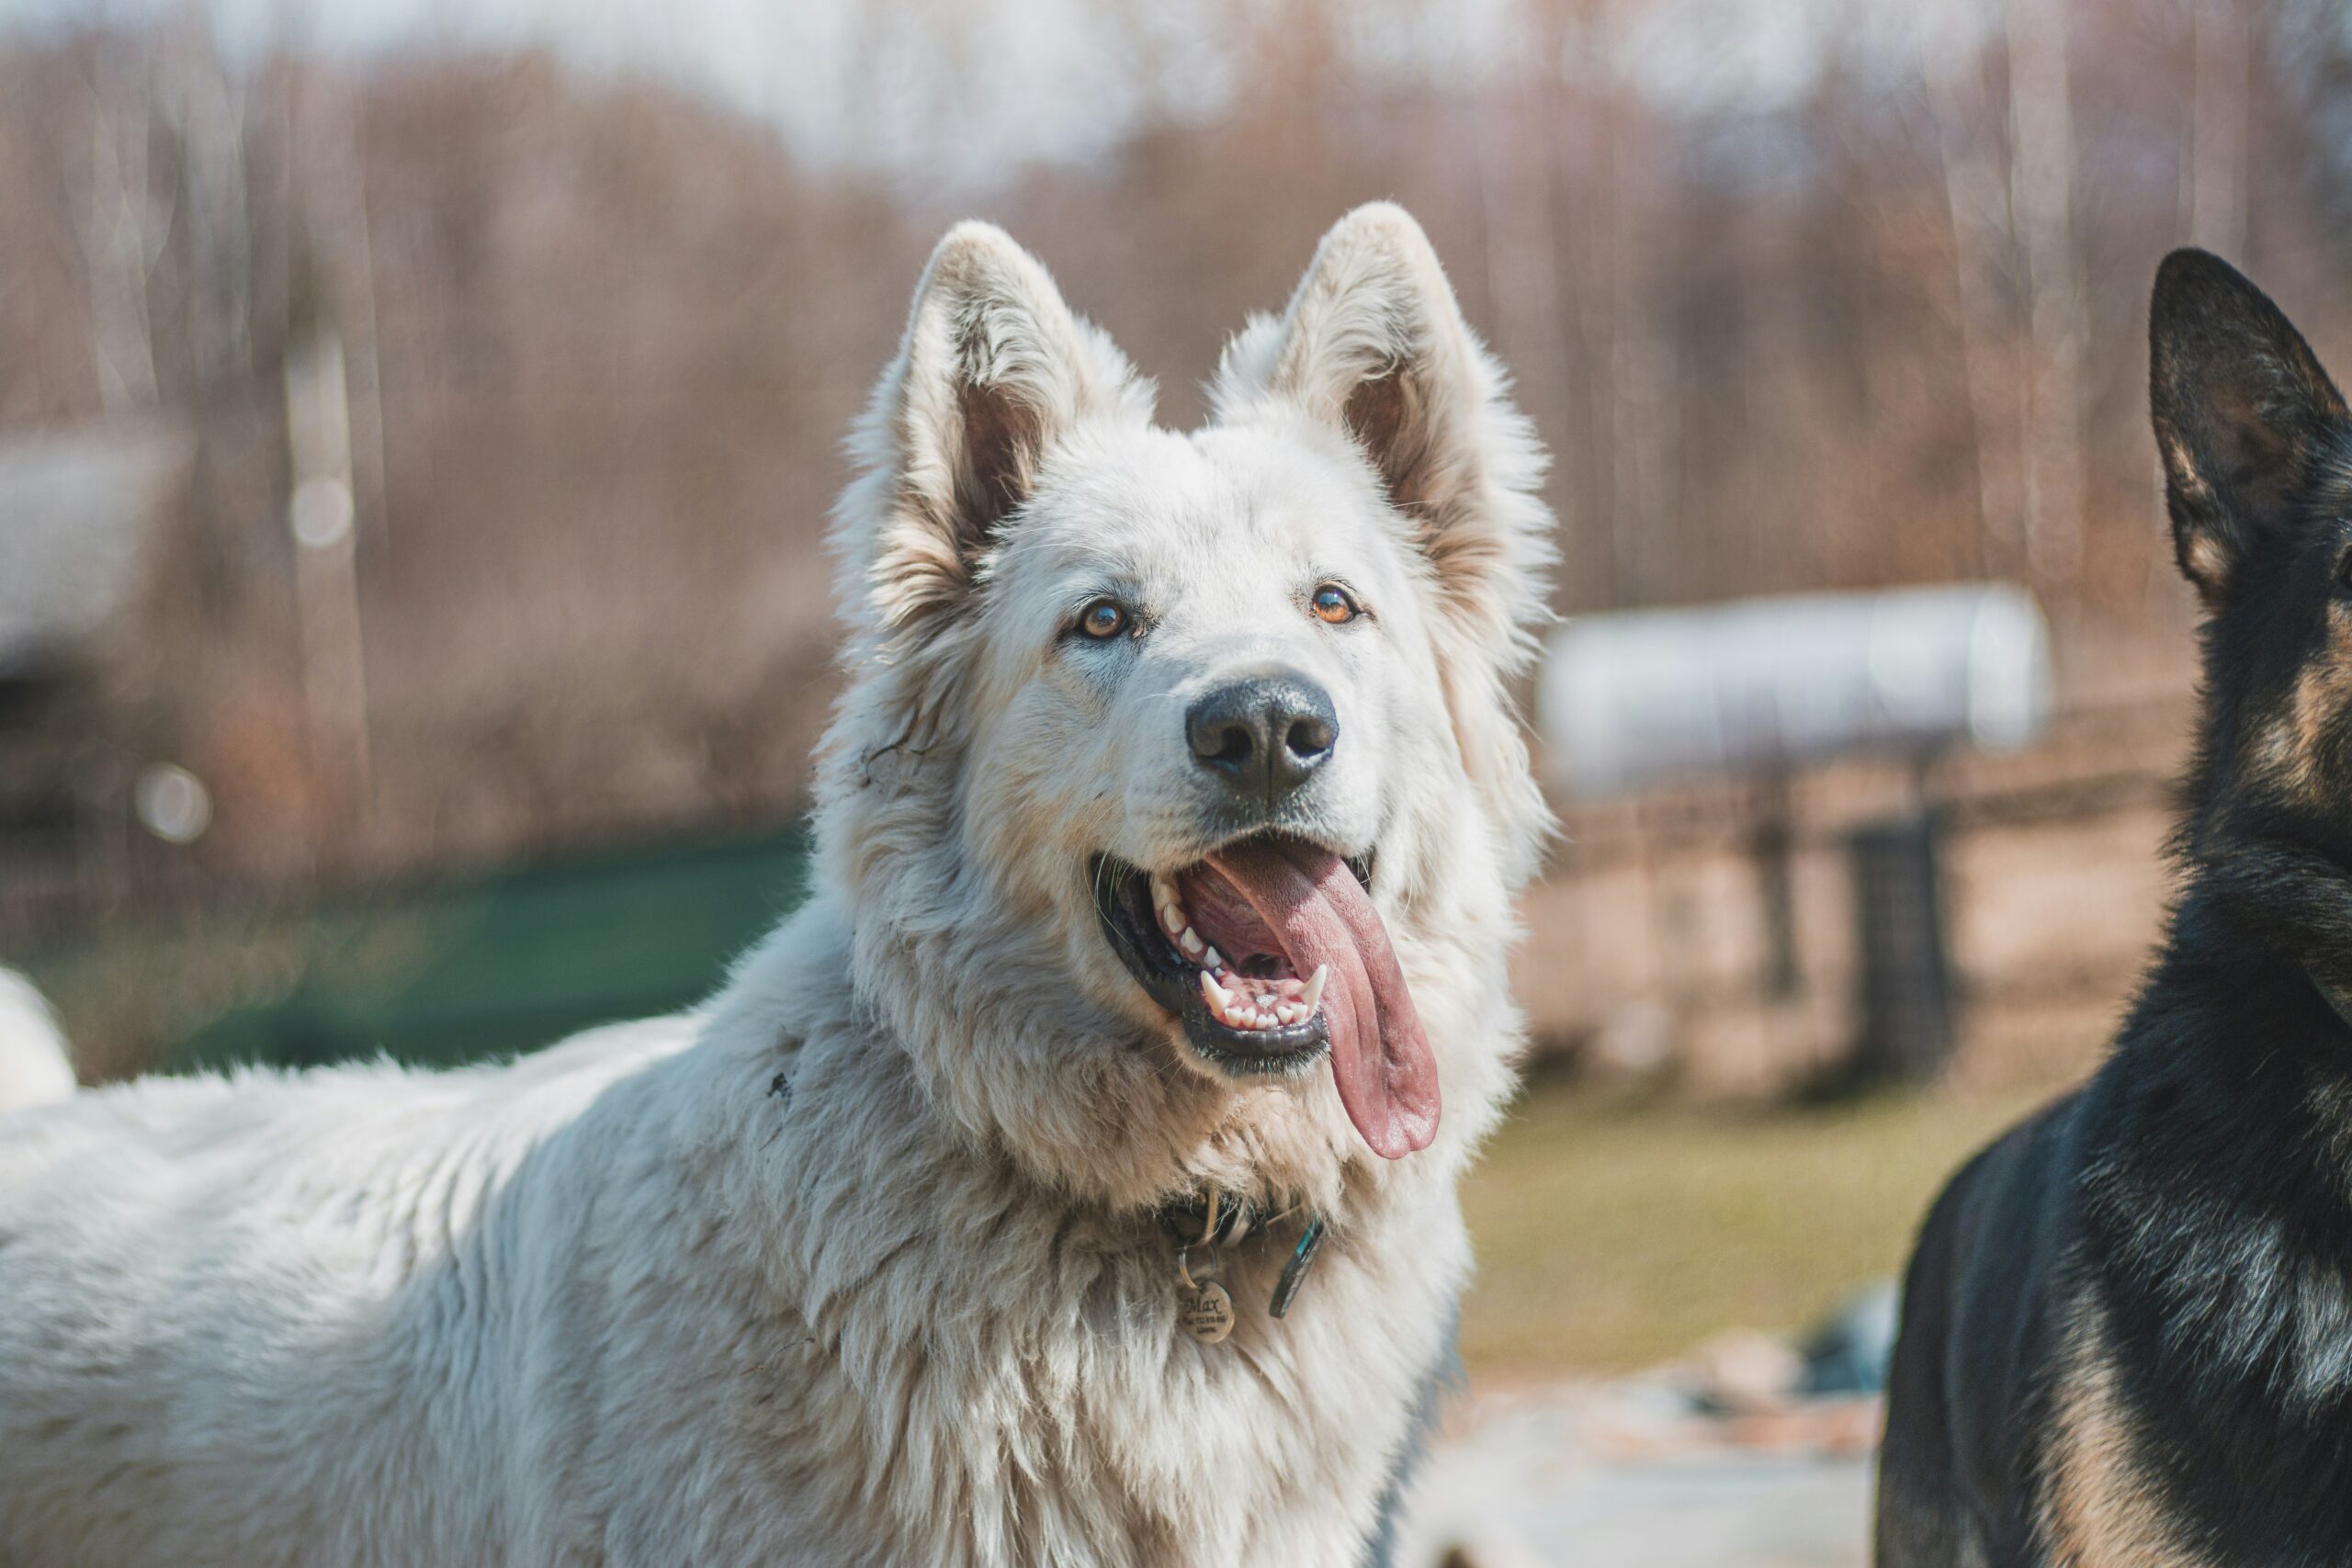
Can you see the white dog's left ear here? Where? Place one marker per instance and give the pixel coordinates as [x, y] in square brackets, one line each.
[1373, 343]
[993, 370]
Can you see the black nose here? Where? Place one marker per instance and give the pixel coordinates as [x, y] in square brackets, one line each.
[1265, 734]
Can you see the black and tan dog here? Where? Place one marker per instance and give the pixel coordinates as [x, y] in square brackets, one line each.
[2127, 1333]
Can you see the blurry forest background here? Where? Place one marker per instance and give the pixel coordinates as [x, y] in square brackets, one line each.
[418, 426]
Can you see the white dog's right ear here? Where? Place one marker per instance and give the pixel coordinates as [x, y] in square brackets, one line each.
[993, 371]
[1374, 343]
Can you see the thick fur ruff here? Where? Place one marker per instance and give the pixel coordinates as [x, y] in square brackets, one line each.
[859, 1264]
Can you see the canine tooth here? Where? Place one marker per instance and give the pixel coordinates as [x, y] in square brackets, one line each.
[1218, 998]
[1190, 941]
[1314, 994]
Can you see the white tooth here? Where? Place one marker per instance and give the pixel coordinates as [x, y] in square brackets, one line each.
[1209, 960]
[1171, 918]
[1217, 999]
[1288, 1013]
[1314, 995]
[1190, 941]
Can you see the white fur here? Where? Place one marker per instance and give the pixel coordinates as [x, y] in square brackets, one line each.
[858, 1264]
[34, 1066]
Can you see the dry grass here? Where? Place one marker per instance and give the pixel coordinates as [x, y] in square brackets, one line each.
[1612, 1236]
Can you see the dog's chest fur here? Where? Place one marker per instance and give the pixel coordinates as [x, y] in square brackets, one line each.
[999, 1378]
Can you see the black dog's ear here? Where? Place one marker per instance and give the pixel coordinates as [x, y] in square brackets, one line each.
[2241, 407]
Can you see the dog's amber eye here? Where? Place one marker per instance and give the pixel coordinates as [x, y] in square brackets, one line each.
[1102, 620]
[1332, 604]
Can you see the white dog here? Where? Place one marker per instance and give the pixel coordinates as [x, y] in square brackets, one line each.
[972, 1222]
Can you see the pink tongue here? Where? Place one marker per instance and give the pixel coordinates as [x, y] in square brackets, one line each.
[1379, 1057]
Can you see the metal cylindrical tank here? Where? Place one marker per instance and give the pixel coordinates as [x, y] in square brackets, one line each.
[1759, 685]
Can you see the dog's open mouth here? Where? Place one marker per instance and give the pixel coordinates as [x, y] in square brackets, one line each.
[1269, 950]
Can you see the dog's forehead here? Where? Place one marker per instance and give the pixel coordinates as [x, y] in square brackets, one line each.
[1155, 509]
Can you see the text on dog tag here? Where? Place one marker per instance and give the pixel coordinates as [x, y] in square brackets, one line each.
[1206, 1311]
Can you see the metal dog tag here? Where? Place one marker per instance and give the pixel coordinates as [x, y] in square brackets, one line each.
[1302, 1259]
[1206, 1311]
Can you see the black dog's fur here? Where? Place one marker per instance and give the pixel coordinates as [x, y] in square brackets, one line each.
[2127, 1334]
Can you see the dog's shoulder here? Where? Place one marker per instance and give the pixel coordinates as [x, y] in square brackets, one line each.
[1985, 1314]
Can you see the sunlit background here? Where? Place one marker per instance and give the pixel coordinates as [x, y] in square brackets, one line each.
[418, 422]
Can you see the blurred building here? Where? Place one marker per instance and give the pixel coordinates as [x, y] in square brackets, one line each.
[81, 516]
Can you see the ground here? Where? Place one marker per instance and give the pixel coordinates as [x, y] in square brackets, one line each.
[1614, 1235]
[1625, 1474]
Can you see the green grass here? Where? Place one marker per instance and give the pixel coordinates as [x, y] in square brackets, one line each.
[1614, 1236]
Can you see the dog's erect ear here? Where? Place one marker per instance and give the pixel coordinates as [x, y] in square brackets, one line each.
[1374, 343]
[2242, 408]
[993, 370]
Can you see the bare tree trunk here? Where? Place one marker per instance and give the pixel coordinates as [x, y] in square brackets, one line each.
[208, 112]
[2217, 127]
[122, 232]
[335, 437]
[1522, 263]
[2041, 179]
[1592, 210]
[1641, 369]
[333, 176]
[326, 585]
[1976, 207]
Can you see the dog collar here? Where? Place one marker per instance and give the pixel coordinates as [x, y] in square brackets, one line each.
[1212, 1218]
[1206, 1222]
